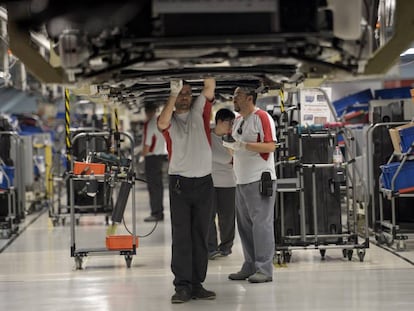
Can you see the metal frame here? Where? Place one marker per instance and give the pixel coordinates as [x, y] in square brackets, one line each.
[79, 254]
[346, 241]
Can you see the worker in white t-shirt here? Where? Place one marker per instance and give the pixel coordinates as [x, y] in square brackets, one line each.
[224, 188]
[253, 149]
[154, 152]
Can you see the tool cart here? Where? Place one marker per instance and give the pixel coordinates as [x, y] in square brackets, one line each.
[87, 143]
[316, 206]
[8, 224]
[103, 171]
[11, 182]
[396, 184]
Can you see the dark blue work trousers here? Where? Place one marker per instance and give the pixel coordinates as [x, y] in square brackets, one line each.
[190, 207]
[153, 174]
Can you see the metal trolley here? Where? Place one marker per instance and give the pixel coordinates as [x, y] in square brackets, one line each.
[101, 204]
[9, 195]
[117, 174]
[316, 206]
[388, 231]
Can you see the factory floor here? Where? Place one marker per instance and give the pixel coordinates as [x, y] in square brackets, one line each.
[38, 273]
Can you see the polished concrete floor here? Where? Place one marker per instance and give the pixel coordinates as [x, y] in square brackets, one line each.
[37, 273]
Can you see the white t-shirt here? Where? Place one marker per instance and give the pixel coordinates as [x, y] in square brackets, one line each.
[153, 138]
[189, 141]
[248, 165]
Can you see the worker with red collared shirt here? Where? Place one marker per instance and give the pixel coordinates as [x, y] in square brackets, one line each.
[185, 124]
[253, 149]
[154, 151]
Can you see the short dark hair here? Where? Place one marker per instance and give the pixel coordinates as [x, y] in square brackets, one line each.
[249, 91]
[150, 107]
[224, 114]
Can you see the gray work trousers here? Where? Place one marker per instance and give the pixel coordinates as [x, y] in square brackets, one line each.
[255, 223]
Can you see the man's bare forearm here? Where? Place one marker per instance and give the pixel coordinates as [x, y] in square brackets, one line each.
[209, 88]
[165, 116]
[261, 147]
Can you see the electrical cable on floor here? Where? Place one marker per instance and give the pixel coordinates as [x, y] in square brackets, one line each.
[140, 236]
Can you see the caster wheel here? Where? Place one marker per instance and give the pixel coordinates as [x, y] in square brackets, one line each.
[323, 253]
[287, 256]
[349, 254]
[277, 260]
[128, 260]
[361, 255]
[389, 241]
[63, 221]
[380, 237]
[344, 252]
[78, 263]
[401, 245]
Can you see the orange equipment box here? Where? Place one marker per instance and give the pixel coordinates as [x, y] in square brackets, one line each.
[83, 168]
[120, 242]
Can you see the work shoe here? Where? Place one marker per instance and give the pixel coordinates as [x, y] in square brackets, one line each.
[259, 277]
[225, 253]
[213, 255]
[239, 276]
[154, 218]
[204, 294]
[181, 295]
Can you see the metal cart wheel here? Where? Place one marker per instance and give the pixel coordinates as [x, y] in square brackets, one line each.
[322, 252]
[380, 238]
[128, 260]
[55, 222]
[401, 245]
[287, 256]
[389, 240]
[344, 251]
[361, 255]
[277, 261]
[63, 221]
[78, 262]
[349, 254]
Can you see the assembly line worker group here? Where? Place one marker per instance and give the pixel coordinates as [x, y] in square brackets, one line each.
[185, 125]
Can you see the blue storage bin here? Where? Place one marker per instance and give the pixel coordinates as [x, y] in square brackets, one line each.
[405, 178]
[9, 170]
[393, 93]
[353, 102]
[407, 138]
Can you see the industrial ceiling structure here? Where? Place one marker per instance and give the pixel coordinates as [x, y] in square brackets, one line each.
[127, 51]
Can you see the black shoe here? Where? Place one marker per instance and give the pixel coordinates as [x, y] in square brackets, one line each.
[181, 295]
[202, 293]
[225, 252]
[154, 218]
[213, 255]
